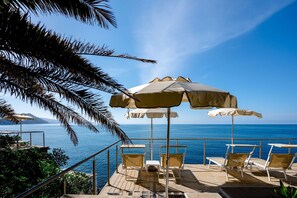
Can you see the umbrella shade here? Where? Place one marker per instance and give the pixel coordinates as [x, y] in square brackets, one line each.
[150, 113]
[169, 92]
[22, 117]
[233, 112]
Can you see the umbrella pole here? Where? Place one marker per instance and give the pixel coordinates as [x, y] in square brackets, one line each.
[167, 152]
[151, 142]
[21, 129]
[232, 139]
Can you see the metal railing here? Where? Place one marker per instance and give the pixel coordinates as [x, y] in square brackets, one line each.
[197, 147]
[54, 177]
[30, 133]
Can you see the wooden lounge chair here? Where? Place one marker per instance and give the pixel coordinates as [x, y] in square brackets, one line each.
[132, 162]
[176, 161]
[232, 160]
[275, 161]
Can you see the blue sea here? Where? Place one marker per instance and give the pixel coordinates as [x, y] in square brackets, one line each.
[217, 136]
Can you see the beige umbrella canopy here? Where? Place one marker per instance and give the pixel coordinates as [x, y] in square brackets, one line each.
[150, 113]
[169, 92]
[21, 117]
[233, 112]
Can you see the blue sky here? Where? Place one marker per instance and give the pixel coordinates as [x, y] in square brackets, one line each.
[248, 48]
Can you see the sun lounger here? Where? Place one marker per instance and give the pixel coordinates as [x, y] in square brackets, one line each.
[233, 160]
[132, 162]
[176, 161]
[276, 161]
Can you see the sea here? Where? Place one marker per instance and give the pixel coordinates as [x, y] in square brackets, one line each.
[195, 137]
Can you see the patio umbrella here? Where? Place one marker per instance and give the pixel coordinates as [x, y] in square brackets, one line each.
[169, 92]
[22, 117]
[233, 112]
[150, 113]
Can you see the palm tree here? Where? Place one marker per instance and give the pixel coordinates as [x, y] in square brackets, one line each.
[41, 67]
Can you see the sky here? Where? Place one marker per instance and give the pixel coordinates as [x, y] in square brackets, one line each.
[248, 48]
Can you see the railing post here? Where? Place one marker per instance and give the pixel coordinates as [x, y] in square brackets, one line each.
[30, 138]
[176, 147]
[94, 177]
[117, 158]
[64, 187]
[43, 139]
[289, 149]
[204, 152]
[260, 150]
[108, 166]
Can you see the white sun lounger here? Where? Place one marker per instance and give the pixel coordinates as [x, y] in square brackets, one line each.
[276, 161]
[176, 161]
[132, 161]
[233, 160]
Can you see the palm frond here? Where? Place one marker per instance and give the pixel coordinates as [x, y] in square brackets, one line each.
[89, 49]
[88, 11]
[22, 38]
[32, 87]
[40, 67]
[7, 111]
[38, 44]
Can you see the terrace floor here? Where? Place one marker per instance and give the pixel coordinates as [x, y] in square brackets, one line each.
[196, 180]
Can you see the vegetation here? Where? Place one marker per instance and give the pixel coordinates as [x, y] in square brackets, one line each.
[286, 191]
[6, 141]
[41, 67]
[78, 183]
[22, 169]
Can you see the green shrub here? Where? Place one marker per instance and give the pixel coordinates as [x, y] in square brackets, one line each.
[78, 183]
[6, 140]
[22, 169]
[59, 157]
